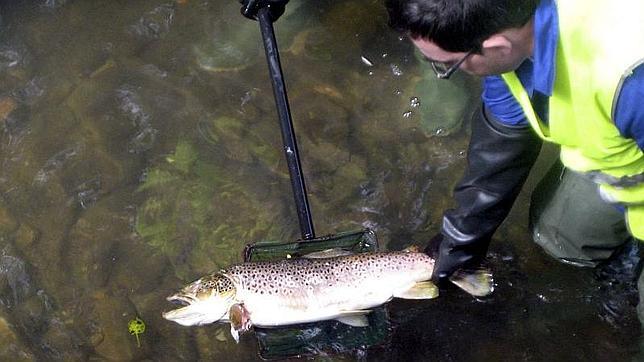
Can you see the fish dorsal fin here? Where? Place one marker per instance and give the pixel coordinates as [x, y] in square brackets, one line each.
[357, 318]
[477, 282]
[422, 290]
[328, 253]
[412, 249]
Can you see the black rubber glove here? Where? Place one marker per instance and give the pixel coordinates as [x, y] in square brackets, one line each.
[499, 161]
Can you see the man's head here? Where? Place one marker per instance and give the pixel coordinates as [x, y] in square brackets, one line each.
[497, 32]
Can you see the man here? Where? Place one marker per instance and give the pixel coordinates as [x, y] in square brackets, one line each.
[568, 72]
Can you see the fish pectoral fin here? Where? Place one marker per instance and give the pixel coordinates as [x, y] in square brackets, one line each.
[239, 320]
[234, 333]
[328, 253]
[421, 290]
[356, 318]
[477, 282]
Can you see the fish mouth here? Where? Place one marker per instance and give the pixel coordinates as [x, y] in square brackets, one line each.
[193, 311]
[181, 299]
[184, 311]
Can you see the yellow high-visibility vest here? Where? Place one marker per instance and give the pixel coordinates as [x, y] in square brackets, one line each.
[600, 43]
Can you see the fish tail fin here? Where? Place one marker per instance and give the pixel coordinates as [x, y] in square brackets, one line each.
[477, 282]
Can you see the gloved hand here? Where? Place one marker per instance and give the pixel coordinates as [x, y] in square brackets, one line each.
[499, 161]
[440, 272]
[251, 7]
[449, 257]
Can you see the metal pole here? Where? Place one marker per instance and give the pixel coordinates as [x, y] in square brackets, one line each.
[286, 124]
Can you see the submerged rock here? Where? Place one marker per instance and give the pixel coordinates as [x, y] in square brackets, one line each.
[92, 245]
[11, 347]
[155, 23]
[353, 23]
[444, 106]
[8, 223]
[25, 237]
[224, 49]
[233, 43]
[60, 342]
[14, 277]
[9, 58]
[210, 344]
[7, 105]
[54, 4]
[109, 336]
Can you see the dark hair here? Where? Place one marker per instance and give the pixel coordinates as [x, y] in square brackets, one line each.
[458, 25]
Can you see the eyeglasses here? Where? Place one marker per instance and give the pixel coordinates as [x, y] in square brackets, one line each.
[444, 71]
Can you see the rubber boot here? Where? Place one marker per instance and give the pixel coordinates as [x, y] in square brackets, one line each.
[499, 161]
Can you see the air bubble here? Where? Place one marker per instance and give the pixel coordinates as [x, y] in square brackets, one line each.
[395, 70]
[366, 61]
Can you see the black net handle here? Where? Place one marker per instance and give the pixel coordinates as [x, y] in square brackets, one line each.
[250, 8]
[267, 11]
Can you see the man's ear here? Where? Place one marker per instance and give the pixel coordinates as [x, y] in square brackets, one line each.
[497, 42]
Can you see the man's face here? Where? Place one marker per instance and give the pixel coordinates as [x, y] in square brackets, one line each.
[491, 61]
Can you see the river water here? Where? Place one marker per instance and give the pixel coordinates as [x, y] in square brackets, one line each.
[140, 149]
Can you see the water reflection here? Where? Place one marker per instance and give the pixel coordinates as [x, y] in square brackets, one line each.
[140, 148]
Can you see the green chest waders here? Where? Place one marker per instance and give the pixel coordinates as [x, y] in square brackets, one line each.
[570, 221]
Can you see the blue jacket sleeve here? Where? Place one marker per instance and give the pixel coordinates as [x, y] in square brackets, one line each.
[629, 109]
[500, 102]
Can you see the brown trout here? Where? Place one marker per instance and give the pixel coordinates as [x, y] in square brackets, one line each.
[313, 288]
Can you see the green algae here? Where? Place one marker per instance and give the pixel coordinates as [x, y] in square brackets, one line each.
[199, 215]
